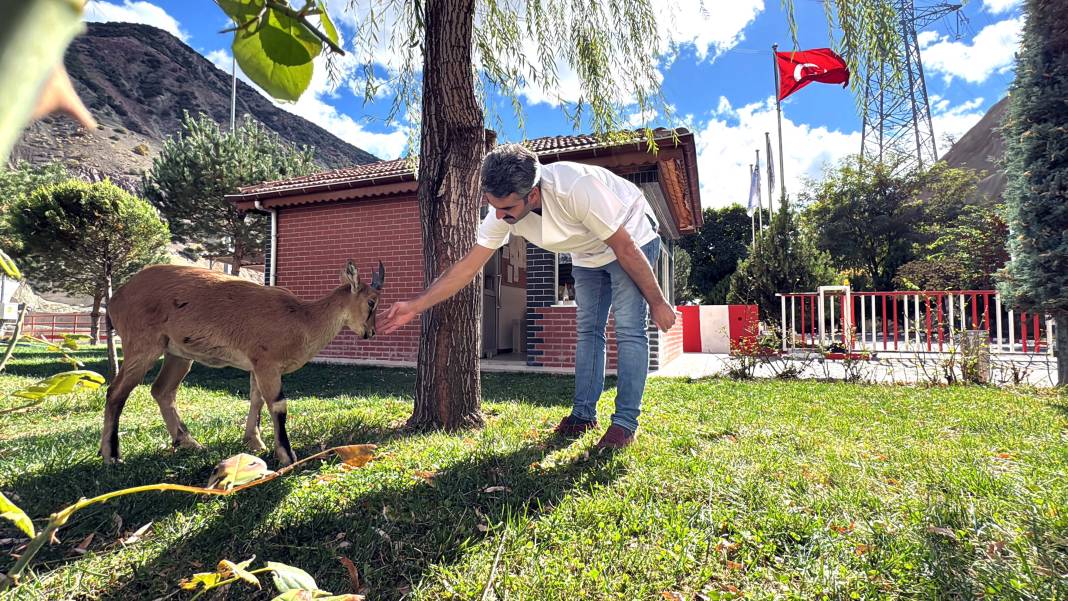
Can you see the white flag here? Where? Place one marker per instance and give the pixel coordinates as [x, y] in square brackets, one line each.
[754, 190]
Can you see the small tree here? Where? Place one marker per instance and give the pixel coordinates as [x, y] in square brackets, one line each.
[200, 165]
[965, 255]
[87, 239]
[722, 242]
[1036, 278]
[19, 182]
[782, 260]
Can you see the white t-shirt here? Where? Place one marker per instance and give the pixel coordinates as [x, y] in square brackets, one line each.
[581, 206]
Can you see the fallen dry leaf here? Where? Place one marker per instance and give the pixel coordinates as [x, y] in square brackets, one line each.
[862, 549]
[1005, 456]
[673, 596]
[726, 546]
[843, 529]
[356, 455]
[354, 575]
[943, 531]
[492, 489]
[996, 549]
[735, 565]
[137, 534]
[83, 546]
[426, 476]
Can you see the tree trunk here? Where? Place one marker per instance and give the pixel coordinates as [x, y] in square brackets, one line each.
[94, 319]
[238, 257]
[1061, 350]
[113, 356]
[448, 385]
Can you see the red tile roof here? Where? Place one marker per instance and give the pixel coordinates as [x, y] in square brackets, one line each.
[398, 170]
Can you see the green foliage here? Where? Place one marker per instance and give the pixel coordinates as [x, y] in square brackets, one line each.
[275, 44]
[783, 260]
[8, 266]
[965, 254]
[200, 165]
[79, 238]
[1036, 152]
[867, 218]
[681, 282]
[17, 183]
[715, 252]
[62, 383]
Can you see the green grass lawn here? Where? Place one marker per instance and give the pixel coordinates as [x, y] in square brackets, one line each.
[773, 490]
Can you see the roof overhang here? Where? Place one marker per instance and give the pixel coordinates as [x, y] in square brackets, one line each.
[675, 162]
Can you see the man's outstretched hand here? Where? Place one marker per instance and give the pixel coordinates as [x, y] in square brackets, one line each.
[399, 313]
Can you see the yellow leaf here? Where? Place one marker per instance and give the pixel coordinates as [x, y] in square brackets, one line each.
[10, 511]
[356, 455]
[237, 470]
[208, 579]
[228, 569]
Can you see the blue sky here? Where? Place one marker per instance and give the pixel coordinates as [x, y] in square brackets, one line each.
[716, 75]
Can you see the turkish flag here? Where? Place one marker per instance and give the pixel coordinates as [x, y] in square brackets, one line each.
[800, 68]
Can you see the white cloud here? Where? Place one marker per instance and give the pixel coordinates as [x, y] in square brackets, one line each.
[951, 123]
[389, 144]
[711, 28]
[726, 145]
[134, 12]
[1000, 6]
[991, 51]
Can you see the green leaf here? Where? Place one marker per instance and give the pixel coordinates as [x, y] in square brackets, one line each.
[241, 11]
[287, 578]
[328, 25]
[62, 383]
[70, 341]
[10, 511]
[8, 266]
[237, 470]
[287, 41]
[275, 60]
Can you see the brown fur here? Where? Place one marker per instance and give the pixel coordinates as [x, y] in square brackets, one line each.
[189, 314]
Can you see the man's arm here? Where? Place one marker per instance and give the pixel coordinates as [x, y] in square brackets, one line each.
[633, 261]
[448, 283]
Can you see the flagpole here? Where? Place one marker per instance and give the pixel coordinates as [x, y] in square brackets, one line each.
[760, 201]
[778, 112]
[771, 177]
[752, 217]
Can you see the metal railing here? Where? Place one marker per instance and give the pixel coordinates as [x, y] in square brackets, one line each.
[909, 321]
[52, 326]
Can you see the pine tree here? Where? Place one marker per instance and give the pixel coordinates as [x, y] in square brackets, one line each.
[1036, 278]
[200, 165]
[783, 259]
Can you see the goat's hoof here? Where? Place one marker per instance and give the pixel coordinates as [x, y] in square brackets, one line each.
[255, 445]
[188, 443]
[112, 460]
[285, 457]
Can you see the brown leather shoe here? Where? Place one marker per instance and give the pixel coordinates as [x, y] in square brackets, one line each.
[616, 437]
[574, 426]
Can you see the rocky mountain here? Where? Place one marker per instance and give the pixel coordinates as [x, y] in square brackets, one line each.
[137, 80]
[982, 149]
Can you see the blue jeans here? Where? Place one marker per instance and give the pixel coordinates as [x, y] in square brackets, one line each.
[596, 291]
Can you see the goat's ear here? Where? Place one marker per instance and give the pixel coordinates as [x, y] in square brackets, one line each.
[351, 276]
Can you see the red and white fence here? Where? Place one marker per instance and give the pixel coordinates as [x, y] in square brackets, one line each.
[52, 326]
[910, 321]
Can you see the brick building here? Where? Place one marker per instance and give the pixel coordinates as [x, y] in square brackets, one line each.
[371, 213]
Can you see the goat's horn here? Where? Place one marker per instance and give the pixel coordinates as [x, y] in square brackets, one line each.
[379, 278]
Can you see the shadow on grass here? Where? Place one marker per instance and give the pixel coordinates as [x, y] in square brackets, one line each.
[326, 381]
[395, 533]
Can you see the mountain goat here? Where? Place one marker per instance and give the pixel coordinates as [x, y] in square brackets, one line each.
[190, 314]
